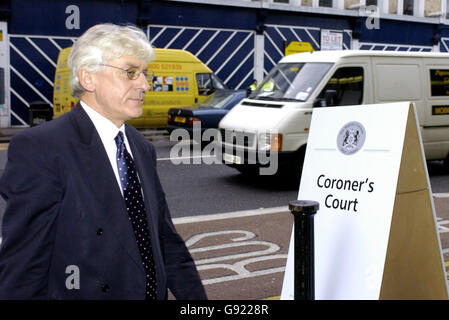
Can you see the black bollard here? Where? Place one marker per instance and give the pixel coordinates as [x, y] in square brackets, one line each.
[303, 212]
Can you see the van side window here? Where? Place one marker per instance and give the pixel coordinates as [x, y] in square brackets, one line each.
[207, 82]
[343, 89]
[439, 82]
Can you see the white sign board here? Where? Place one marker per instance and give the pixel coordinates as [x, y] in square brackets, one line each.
[331, 40]
[351, 168]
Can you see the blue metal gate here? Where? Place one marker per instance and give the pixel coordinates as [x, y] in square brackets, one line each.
[228, 52]
[33, 63]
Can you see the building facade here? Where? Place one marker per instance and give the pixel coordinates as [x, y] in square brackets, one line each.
[240, 40]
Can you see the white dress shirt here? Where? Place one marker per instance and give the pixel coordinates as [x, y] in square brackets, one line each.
[107, 131]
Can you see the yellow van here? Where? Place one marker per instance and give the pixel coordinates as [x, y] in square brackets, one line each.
[180, 79]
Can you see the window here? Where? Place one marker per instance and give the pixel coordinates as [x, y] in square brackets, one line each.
[432, 8]
[408, 7]
[325, 3]
[393, 7]
[291, 81]
[439, 82]
[208, 82]
[356, 4]
[349, 3]
[345, 88]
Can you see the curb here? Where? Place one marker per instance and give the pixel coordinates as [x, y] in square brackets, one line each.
[6, 134]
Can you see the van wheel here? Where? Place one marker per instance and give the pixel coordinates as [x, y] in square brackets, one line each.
[297, 166]
[291, 173]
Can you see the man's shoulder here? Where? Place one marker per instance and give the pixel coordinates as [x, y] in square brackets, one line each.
[48, 132]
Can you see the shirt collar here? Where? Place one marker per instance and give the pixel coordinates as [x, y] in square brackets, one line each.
[105, 127]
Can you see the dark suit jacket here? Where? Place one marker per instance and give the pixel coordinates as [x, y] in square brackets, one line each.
[64, 208]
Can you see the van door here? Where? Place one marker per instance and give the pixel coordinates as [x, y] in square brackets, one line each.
[435, 123]
[345, 87]
[5, 118]
[438, 109]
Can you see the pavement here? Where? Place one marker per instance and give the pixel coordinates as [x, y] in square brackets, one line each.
[239, 255]
[7, 133]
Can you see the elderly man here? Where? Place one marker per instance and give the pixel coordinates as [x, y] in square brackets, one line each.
[86, 216]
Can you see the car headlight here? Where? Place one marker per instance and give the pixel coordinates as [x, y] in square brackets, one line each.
[270, 142]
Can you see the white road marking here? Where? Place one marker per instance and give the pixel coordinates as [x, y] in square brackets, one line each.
[237, 242]
[184, 158]
[441, 225]
[237, 267]
[230, 215]
[241, 271]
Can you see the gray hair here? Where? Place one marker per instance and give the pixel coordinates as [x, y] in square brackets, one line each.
[104, 42]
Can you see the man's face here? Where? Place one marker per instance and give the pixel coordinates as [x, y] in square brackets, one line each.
[116, 96]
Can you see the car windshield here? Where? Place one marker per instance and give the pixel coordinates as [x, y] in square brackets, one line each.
[216, 100]
[291, 81]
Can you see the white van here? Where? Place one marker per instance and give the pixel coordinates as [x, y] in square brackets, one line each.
[275, 118]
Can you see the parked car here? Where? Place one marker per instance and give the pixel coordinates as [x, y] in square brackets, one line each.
[208, 112]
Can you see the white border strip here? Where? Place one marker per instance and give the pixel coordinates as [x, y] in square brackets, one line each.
[198, 28]
[230, 215]
[440, 195]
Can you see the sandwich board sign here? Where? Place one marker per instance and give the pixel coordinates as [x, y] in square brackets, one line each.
[375, 232]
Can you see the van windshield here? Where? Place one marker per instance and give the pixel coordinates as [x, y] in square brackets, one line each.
[208, 82]
[291, 81]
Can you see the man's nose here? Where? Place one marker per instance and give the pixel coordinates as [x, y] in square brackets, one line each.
[143, 82]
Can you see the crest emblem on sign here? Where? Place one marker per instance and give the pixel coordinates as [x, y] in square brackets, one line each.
[351, 138]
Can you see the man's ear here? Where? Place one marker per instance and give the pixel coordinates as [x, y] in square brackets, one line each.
[86, 80]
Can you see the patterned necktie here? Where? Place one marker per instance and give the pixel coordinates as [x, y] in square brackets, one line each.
[136, 211]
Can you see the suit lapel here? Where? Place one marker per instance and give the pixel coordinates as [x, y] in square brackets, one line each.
[101, 178]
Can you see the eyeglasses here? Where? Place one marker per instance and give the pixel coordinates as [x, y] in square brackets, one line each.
[133, 73]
